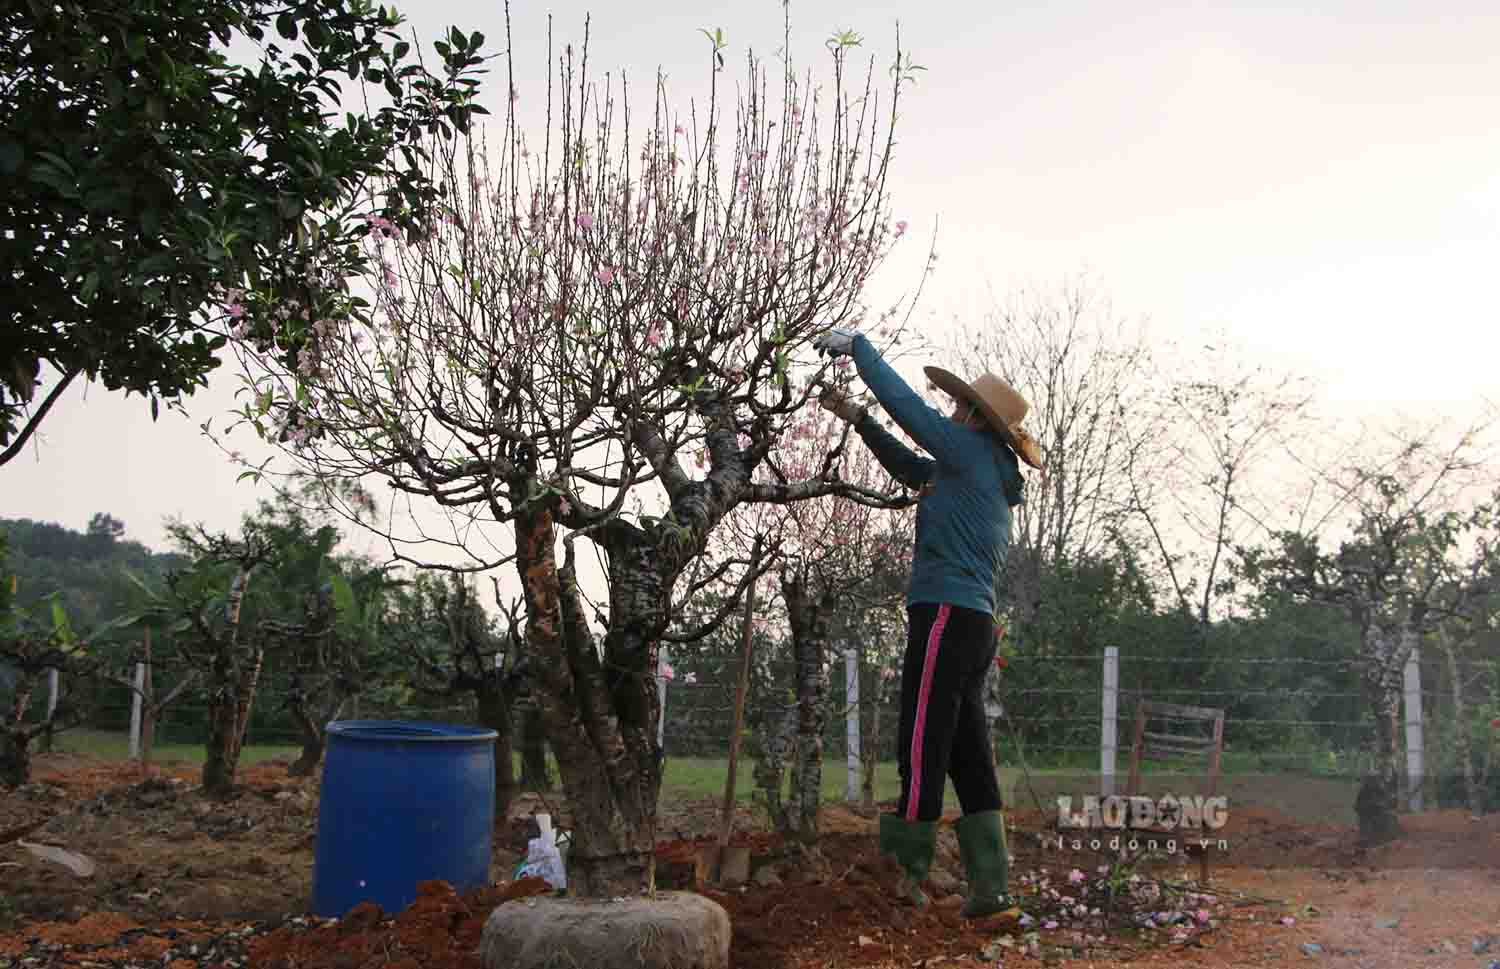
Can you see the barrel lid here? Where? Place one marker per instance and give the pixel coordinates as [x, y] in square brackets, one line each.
[419, 731]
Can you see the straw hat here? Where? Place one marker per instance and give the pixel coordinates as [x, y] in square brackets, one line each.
[1000, 404]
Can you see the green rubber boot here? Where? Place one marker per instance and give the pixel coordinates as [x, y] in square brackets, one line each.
[981, 844]
[912, 844]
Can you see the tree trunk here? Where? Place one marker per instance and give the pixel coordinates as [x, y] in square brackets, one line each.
[311, 756]
[869, 747]
[809, 615]
[792, 810]
[15, 756]
[1384, 654]
[222, 757]
[148, 735]
[244, 695]
[314, 739]
[742, 687]
[812, 716]
[48, 734]
[148, 710]
[536, 774]
[495, 713]
[15, 741]
[777, 748]
[600, 720]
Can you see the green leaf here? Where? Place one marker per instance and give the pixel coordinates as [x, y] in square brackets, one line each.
[118, 623]
[61, 627]
[58, 162]
[286, 26]
[343, 596]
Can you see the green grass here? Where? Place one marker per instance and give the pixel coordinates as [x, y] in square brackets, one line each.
[116, 746]
[698, 778]
[1311, 799]
[687, 778]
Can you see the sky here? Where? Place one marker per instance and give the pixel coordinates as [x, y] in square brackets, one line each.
[1322, 186]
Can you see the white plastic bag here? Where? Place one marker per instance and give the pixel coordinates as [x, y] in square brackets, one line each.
[543, 859]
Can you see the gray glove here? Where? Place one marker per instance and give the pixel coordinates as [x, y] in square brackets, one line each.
[837, 342]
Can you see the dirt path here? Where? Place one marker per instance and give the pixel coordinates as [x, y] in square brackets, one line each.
[1395, 919]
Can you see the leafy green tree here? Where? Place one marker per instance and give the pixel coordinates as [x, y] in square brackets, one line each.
[321, 612]
[231, 652]
[451, 647]
[103, 532]
[309, 611]
[33, 640]
[144, 173]
[334, 651]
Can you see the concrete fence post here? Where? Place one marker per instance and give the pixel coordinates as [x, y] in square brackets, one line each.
[1415, 767]
[1109, 721]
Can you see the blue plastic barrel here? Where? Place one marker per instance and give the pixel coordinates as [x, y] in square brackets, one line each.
[403, 802]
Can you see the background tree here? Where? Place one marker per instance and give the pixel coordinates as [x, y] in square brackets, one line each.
[313, 612]
[588, 311]
[1462, 645]
[453, 647]
[835, 553]
[335, 652]
[140, 176]
[1396, 578]
[34, 640]
[1086, 374]
[208, 602]
[1201, 467]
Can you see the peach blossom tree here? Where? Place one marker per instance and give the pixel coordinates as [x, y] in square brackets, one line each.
[600, 334]
[842, 564]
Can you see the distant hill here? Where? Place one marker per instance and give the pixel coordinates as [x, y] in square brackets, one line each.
[87, 567]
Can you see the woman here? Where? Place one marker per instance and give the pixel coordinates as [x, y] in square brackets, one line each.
[968, 487]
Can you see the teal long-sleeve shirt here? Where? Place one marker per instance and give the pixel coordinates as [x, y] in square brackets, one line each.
[964, 524]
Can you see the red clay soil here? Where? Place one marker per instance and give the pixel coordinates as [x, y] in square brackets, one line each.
[440, 930]
[829, 910]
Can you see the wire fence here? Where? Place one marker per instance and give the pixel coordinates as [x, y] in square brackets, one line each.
[1067, 715]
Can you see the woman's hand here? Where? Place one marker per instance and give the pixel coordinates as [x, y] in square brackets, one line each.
[835, 342]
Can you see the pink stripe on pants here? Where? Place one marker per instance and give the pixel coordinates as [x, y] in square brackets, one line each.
[929, 665]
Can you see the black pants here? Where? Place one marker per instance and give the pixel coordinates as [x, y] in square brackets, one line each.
[943, 731]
